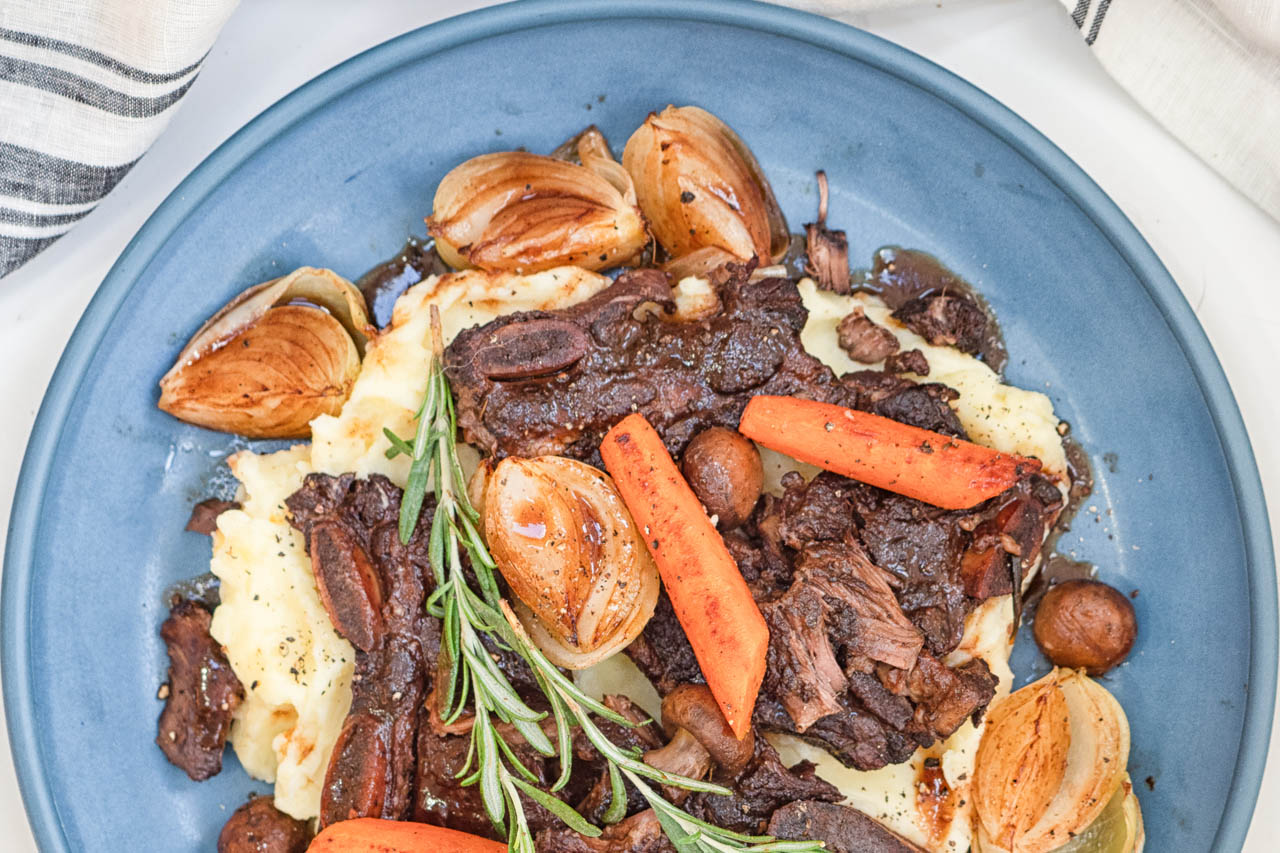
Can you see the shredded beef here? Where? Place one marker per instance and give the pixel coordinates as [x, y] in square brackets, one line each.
[911, 361]
[827, 250]
[923, 405]
[640, 833]
[555, 381]
[761, 787]
[843, 828]
[839, 605]
[259, 827]
[934, 303]
[863, 340]
[203, 693]
[865, 592]
[376, 590]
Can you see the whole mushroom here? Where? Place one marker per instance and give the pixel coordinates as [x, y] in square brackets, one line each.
[1085, 624]
[724, 470]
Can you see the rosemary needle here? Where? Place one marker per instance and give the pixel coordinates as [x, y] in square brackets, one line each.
[475, 618]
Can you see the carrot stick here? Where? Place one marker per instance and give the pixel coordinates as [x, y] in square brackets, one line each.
[921, 464]
[373, 835]
[710, 598]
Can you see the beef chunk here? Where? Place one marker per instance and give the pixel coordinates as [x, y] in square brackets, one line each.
[863, 339]
[662, 651]
[258, 827]
[442, 800]
[921, 545]
[203, 693]
[640, 833]
[762, 786]
[948, 318]
[898, 398]
[838, 605]
[555, 381]
[944, 696]
[376, 587]
[911, 361]
[204, 515]
[558, 391]
[855, 735]
[843, 828]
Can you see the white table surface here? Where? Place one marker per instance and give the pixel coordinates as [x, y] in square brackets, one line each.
[1223, 251]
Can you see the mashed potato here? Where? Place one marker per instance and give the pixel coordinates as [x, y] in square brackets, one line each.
[295, 668]
[286, 728]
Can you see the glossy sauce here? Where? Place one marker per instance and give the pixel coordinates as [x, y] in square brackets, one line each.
[205, 589]
[1057, 567]
[934, 802]
[899, 275]
[383, 284]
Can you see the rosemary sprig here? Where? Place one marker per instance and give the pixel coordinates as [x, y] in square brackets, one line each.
[468, 676]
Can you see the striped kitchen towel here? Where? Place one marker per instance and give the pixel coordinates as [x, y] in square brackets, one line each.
[85, 88]
[1208, 70]
[87, 85]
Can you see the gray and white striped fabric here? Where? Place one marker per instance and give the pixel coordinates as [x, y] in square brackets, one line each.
[85, 87]
[1208, 70]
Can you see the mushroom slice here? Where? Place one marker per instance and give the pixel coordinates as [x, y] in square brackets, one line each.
[700, 186]
[276, 356]
[523, 212]
[572, 555]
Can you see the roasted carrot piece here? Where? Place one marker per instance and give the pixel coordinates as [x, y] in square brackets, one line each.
[373, 835]
[710, 598]
[921, 464]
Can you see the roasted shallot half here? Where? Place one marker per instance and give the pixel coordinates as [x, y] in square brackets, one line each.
[1051, 762]
[702, 189]
[563, 539]
[521, 212]
[276, 356]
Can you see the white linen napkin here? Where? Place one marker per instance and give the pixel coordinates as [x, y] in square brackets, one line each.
[87, 85]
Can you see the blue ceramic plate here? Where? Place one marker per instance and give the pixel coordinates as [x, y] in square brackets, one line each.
[337, 174]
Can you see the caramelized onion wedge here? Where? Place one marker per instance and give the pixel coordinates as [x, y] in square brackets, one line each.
[700, 186]
[1021, 760]
[523, 212]
[276, 356]
[1117, 830]
[572, 555]
[320, 287]
[1023, 754]
[269, 381]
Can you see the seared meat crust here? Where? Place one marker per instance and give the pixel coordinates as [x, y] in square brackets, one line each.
[202, 695]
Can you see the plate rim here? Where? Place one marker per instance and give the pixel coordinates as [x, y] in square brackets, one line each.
[815, 30]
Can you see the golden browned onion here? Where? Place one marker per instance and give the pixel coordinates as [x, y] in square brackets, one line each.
[572, 555]
[1051, 758]
[700, 186]
[523, 212]
[276, 356]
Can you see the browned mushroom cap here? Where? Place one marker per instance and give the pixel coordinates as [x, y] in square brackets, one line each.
[683, 756]
[693, 708]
